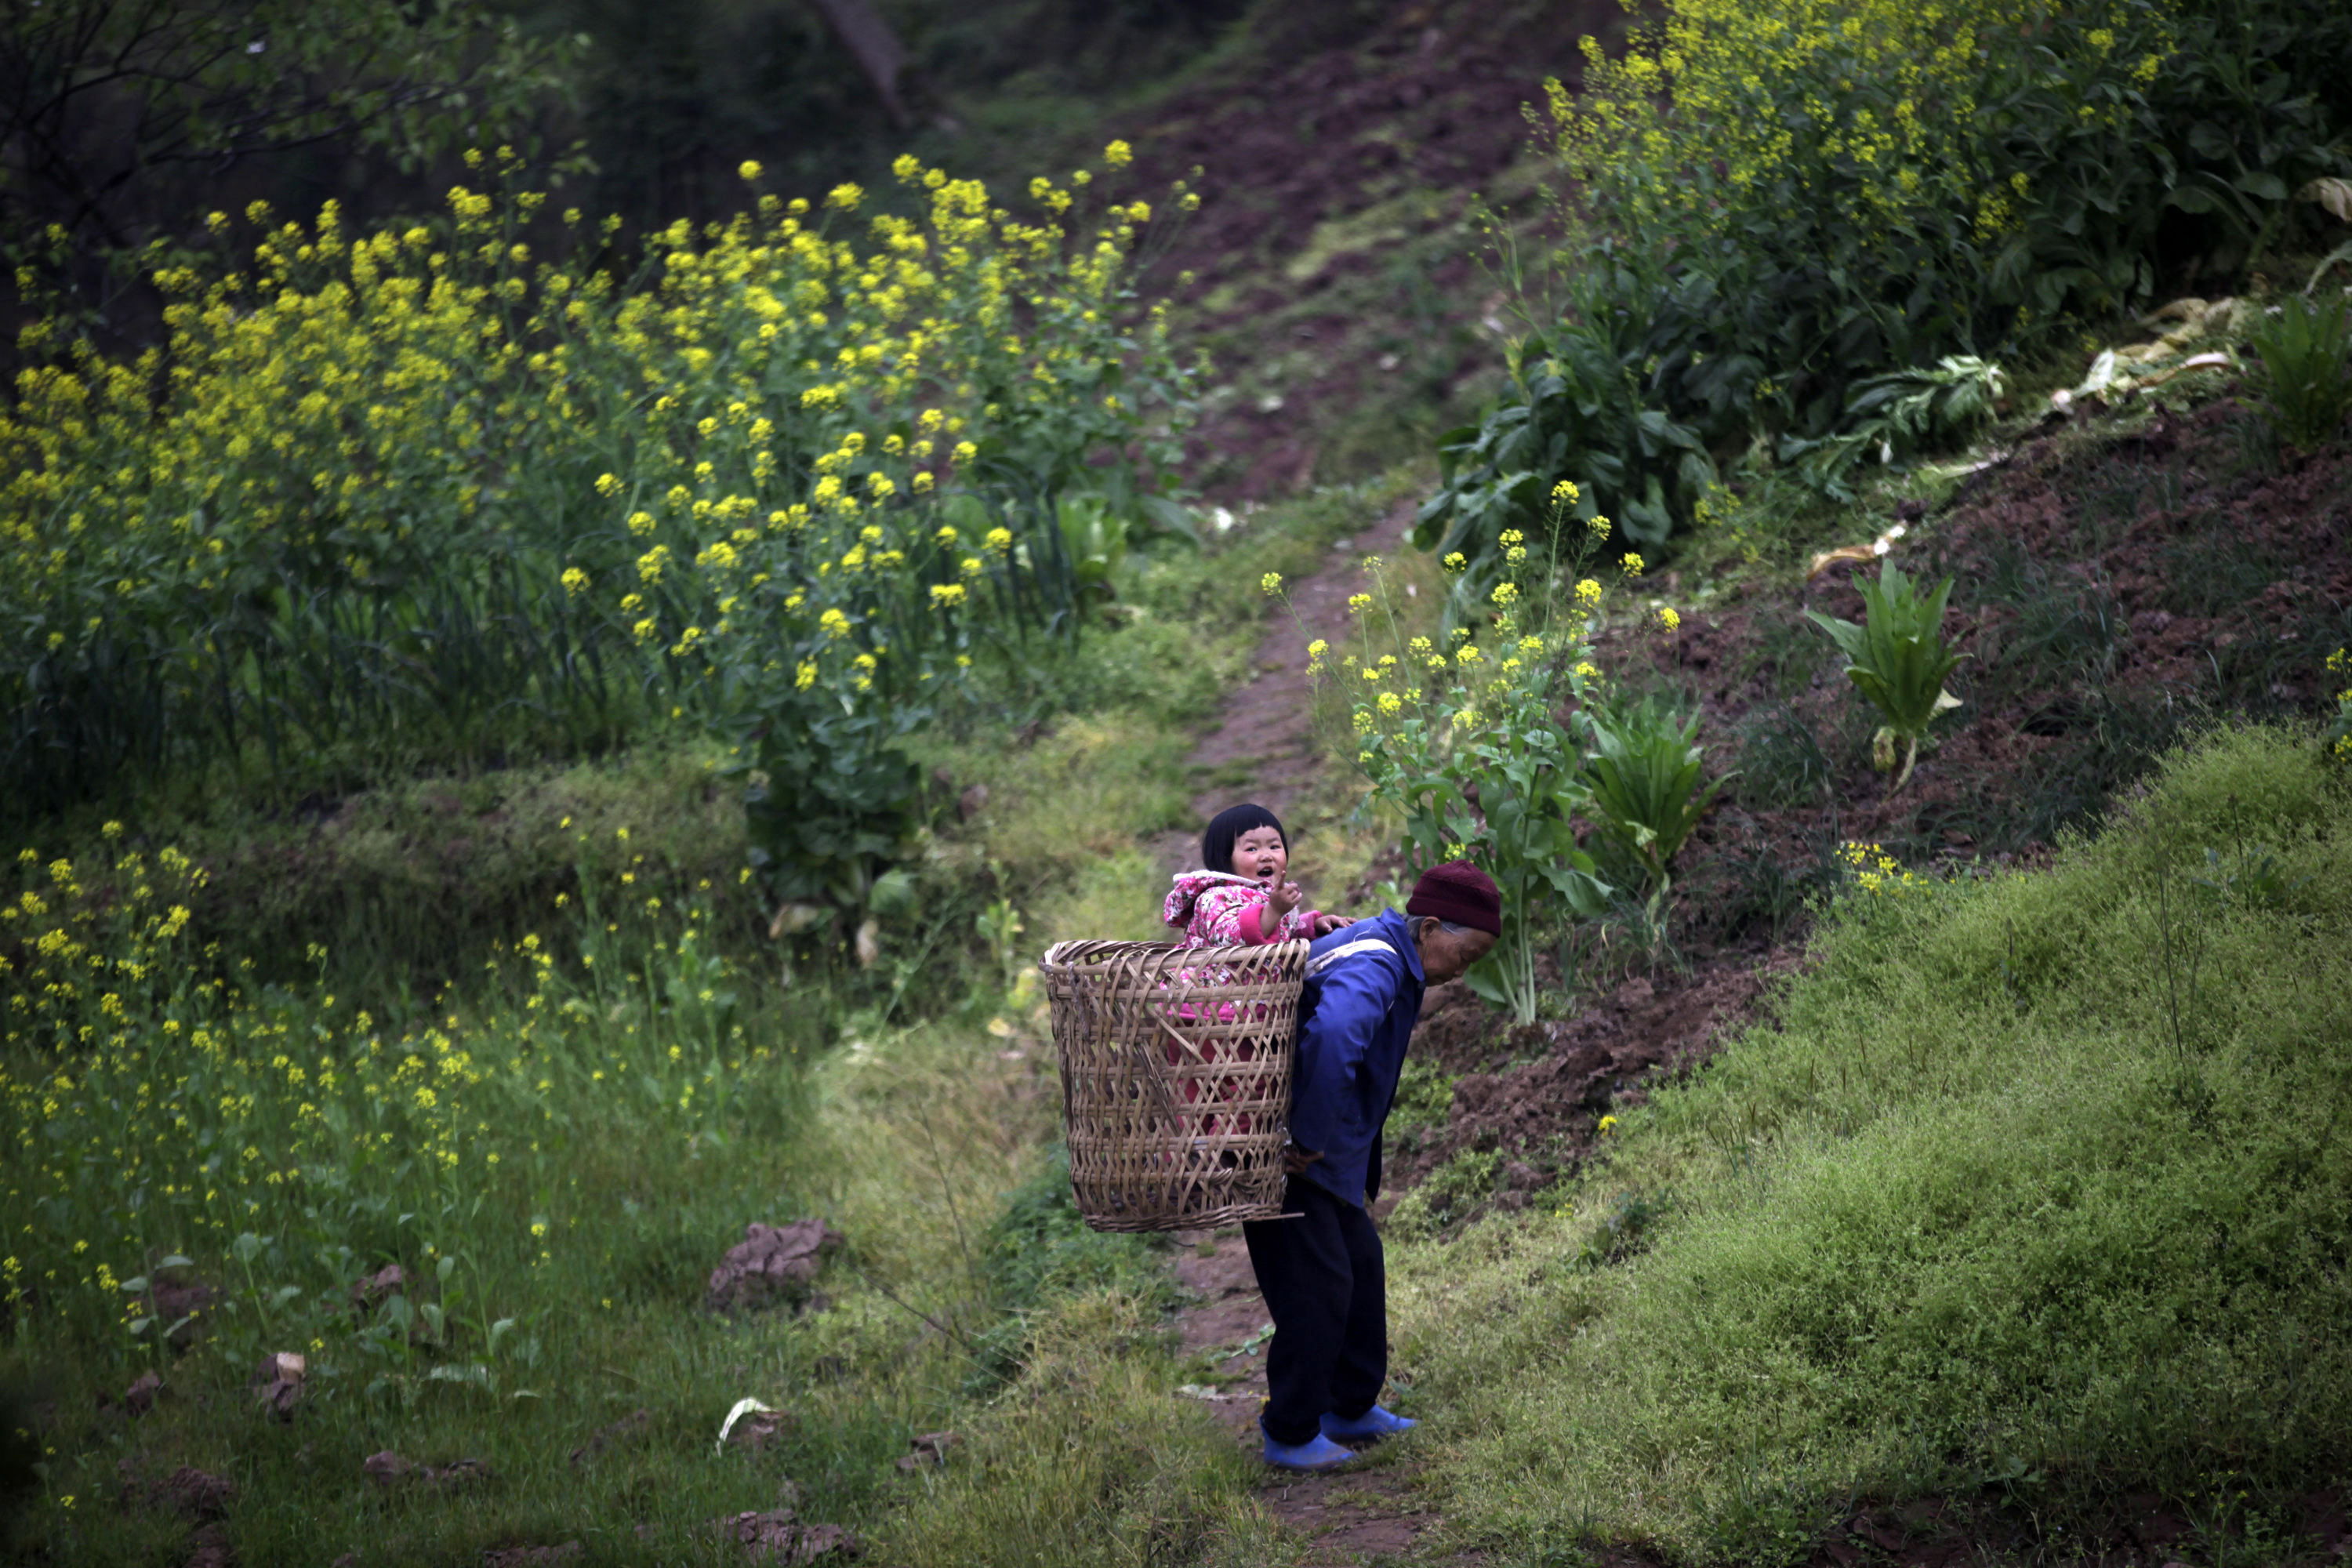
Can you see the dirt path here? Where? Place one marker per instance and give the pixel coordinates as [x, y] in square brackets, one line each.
[1368, 1512]
[1267, 746]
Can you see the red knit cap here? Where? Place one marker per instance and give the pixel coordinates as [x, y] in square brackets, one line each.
[1460, 892]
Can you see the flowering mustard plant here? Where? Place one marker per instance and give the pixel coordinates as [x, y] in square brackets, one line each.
[1466, 751]
[420, 480]
[166, 1110]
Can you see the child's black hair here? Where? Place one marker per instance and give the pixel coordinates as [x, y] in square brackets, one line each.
[1217, 843]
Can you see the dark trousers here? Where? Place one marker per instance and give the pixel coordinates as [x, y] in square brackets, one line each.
[1325, 1286]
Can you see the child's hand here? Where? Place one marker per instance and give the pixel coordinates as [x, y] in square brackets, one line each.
[1280, 899]
[1325, 924]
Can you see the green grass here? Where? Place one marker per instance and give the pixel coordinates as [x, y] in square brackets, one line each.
[2035, 1183]
[1088, 1460]
[666, 1075]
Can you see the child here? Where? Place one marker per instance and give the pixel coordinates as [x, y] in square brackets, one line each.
[1242, 898]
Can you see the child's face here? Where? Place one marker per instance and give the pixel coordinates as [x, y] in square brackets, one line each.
[1259, 854]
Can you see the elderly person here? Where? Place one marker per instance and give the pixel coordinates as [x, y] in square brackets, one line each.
[1320, 1268]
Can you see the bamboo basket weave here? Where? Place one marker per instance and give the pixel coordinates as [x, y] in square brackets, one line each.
[1176, 1068]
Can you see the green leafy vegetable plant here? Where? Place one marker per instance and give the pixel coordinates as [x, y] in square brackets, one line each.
[1642, 775]
[1892, 415]
[2307, 379]
[1898, 660]
[1584, 405]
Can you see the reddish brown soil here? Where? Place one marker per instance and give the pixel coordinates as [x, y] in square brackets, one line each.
[1425, 102]
[2110, 600]
[2098, 632]
[1369, 1510]
[1538, 1092]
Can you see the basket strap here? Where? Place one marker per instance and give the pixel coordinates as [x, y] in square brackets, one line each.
[1322, 962]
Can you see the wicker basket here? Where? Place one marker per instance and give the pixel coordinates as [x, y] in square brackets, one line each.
[1176, 1067]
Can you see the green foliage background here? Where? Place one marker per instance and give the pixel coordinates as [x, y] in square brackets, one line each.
[1766, 206]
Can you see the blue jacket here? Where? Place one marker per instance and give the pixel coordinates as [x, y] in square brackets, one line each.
[1355, 1017]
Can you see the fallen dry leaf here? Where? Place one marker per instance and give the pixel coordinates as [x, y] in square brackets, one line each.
[758, 1431]
[1862, 554]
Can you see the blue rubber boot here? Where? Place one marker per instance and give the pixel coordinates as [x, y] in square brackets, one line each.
[1371, 1427]
[1317, 1453]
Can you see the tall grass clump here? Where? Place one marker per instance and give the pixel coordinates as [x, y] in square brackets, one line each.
[2036, 1180]
[1085, 1460]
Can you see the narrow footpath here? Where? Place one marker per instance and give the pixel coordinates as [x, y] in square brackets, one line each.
[1367, 1512]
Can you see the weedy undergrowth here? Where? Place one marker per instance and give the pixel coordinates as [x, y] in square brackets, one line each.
[1465, 748]
[2307, 377]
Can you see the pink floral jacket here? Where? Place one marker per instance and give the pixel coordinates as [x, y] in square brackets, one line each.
[1217, 909]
